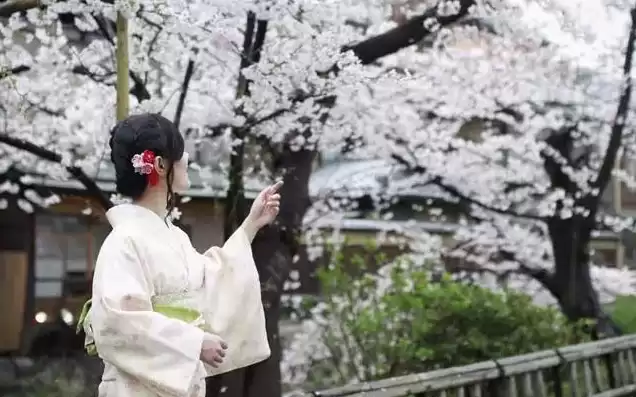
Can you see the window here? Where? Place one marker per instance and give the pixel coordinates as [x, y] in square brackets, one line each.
[604, 254]
[65, 247]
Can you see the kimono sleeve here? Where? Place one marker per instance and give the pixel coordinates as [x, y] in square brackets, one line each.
[236, 252]
[161, 353]
[233, 304]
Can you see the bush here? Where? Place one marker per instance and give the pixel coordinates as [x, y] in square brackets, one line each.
[399, 320]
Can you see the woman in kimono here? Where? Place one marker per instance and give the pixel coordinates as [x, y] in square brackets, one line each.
[162, 316]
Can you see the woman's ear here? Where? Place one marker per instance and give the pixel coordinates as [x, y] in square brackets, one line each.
[161, 166]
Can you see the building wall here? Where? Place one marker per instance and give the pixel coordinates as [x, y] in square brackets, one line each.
[69, 234]
[205, 217]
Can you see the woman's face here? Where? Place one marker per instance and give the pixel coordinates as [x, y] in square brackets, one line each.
[181, 180]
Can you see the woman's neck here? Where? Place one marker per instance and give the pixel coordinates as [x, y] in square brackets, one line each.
[154, 200]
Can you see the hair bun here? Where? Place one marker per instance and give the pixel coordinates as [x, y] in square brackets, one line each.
[134, 135]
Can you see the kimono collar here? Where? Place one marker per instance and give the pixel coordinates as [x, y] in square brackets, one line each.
[132, 213]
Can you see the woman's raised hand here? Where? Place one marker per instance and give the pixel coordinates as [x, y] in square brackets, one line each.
[266, 206]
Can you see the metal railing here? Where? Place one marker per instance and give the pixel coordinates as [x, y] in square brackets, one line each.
[605, 368]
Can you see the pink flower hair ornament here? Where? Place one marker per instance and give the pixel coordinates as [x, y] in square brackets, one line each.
[144, 164]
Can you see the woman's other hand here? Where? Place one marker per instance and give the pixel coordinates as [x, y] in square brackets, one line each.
[213, 350]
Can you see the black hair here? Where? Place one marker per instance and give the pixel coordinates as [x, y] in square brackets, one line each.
[142, 132]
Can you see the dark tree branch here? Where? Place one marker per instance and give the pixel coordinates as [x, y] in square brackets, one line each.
[259, 40]
[236, 210]
[9, 7]
[409, 33]
[76, 172]
[437, 181]
[618, 125]
[543, 276]
[266, 118]
[84, 71]
[560, 141]
[215, 131]
[13, 71]
[184, 90]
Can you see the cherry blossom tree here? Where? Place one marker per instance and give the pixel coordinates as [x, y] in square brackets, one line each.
[519, 126]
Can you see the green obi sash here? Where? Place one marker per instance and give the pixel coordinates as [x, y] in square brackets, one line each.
[176, 312]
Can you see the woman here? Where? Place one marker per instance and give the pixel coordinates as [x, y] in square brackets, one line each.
[162, 316]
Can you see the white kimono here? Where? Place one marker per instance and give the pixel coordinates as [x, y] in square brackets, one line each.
[144, 262]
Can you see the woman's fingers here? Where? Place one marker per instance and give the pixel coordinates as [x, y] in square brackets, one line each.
[216, 359]
[275, 199]
[274, 188]
[213, 350]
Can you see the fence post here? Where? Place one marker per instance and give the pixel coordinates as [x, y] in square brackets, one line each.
[611, 376]
[556, 374]
[497, 387]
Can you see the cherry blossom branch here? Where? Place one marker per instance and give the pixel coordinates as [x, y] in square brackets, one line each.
[139, 90]
[543, 276]
[444, 13]
[218, 129]
[155, 37]
[437, 181]
[76, 172]
[252, 122]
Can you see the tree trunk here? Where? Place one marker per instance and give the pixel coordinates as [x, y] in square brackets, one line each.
[235, 209]
[571, 238]
[274, 249]
[579, 300]
[571, 283]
